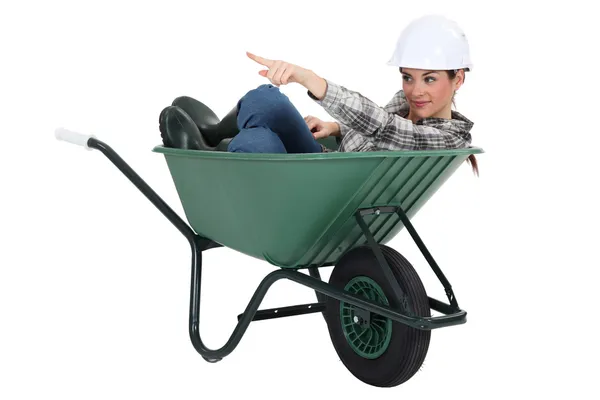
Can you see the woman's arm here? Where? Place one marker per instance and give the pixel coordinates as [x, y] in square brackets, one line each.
[392, 132]
[318, 86]
[348, 107]
[356, 112]
[325, 92]
[315, 84]
[337, 129]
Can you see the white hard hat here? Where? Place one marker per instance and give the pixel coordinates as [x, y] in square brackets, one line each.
[432, 42]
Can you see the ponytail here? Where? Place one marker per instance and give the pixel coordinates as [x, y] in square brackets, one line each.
[473, 161]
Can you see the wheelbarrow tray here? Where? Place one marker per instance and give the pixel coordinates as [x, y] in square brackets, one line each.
[297, 210]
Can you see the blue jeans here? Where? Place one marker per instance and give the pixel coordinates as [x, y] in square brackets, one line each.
[269, 123]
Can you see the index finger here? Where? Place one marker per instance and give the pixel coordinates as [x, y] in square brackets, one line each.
[264, 61]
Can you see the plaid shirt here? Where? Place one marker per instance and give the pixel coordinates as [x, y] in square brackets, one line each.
[365, 126]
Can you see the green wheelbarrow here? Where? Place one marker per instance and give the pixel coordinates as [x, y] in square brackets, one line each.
[302, 212]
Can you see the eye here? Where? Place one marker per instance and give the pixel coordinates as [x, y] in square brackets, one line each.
[429, 79]
[406, 78]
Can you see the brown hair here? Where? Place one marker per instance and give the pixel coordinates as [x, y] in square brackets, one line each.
[472, 159]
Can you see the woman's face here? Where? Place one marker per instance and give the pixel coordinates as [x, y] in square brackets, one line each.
[429, 92]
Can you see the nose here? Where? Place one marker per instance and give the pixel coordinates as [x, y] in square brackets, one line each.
[418, 89]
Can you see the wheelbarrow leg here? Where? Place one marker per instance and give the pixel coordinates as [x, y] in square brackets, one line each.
[434, 266]
[198, 245]
[314, 272]
[434, 304]
[321, 298]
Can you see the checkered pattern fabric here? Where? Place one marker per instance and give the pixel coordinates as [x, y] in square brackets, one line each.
[365, 126]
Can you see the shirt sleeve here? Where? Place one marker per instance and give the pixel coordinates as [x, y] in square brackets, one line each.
[344, 129]
[395, 104]
[351, 109]
[389, 130]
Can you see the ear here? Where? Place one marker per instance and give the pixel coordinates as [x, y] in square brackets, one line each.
[459, 79]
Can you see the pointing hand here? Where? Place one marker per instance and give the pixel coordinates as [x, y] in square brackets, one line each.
[280, 72]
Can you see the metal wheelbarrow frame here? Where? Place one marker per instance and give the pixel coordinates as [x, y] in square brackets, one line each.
[452, 313]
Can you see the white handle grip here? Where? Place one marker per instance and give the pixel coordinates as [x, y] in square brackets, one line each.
[73, 137]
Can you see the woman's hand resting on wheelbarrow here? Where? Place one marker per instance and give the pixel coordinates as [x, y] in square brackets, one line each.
[281, 73]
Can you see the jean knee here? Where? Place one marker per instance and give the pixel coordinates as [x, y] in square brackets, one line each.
[264, 94]
[260, 105]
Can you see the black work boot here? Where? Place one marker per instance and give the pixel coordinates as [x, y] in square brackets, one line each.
[212, 129]
[178, 130]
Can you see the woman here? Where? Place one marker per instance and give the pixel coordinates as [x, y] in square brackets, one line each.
[432, 55]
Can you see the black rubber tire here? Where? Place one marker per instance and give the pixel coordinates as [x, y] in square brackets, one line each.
[408, 346]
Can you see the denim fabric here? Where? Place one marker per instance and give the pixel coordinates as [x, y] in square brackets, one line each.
[269, 123]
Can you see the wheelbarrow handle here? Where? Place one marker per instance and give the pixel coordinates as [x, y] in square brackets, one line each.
[73, 137]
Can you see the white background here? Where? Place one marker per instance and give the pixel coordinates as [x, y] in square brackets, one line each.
[94, 281]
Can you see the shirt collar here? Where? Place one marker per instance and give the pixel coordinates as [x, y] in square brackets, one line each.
[459, 122]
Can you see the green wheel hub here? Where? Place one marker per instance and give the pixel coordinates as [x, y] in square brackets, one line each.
[368, 335]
